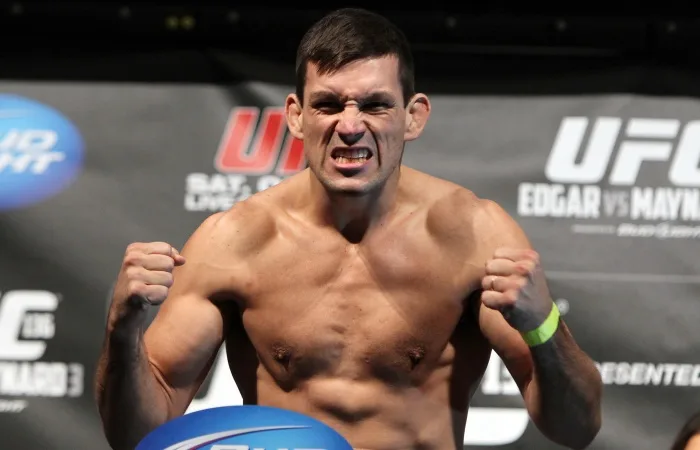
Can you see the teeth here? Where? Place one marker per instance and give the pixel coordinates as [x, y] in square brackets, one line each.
[344, 160]
[355, 154]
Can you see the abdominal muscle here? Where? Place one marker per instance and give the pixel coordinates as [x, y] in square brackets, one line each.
[371, 415]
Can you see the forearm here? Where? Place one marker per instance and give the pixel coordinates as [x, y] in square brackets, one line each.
[564, 396]
[130, 398]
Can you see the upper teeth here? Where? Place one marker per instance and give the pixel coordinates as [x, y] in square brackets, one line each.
[355, 153]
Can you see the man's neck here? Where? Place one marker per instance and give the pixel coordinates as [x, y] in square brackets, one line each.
[354, 215]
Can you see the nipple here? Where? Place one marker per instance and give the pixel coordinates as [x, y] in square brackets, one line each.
[282, 354]
[416, 355]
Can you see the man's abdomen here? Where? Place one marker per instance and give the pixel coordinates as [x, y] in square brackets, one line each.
[374, 415]
[377, 352]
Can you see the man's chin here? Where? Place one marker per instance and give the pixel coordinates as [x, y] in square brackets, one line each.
[350, 187]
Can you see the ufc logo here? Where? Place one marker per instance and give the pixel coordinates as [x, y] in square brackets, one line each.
[254, 145]
[15, 308]
[642, 140]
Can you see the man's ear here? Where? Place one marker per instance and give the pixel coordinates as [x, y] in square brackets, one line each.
[417, 114]
[293, 113]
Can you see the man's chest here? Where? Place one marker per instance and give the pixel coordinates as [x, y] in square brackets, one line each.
[388, 275]
[321, 307]
[398, 257]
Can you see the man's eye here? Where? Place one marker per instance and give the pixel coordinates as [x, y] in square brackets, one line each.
[327, 106]
[375, 106]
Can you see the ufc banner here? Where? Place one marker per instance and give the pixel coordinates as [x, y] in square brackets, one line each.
[607, 187]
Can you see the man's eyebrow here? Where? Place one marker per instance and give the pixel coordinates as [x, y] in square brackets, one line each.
[379, 96]
[375, 96]
[323, 95]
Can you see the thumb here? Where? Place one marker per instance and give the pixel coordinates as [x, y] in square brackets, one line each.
[177, 257]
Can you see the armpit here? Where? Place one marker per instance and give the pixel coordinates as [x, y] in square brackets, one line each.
[472, 306]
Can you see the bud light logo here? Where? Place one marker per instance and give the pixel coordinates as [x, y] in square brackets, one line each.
[244, 428]
[41, 152]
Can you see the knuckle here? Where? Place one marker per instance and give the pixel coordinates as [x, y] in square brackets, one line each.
[525, 267]
[132, 258]
[505, 284]
[135, 288]
[134, 247]
[168, 280]
[487, 297]
[161, 247]
[133, 272]
[168, 264]
[511, 296]
[157, 293]
[161, 263]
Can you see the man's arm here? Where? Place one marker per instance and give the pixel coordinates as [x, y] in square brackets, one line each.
[560, 384]
[145, 378]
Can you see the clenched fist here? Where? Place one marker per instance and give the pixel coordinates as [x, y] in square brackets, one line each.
[514, 284]
[145, 276]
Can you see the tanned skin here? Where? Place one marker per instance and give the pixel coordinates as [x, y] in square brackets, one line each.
[369, 298]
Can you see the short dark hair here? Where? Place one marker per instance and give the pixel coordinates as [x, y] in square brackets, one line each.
[347, 35]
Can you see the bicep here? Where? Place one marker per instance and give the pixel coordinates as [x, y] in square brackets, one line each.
[184, 338]
[182, 343]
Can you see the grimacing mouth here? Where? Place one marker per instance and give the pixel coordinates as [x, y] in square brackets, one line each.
[352, 152]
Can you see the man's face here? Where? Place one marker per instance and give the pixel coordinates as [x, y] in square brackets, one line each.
[354, 124]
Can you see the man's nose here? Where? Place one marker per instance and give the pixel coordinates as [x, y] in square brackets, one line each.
[350, 128]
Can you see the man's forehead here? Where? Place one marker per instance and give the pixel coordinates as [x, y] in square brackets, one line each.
[382, 63]
[363, 77]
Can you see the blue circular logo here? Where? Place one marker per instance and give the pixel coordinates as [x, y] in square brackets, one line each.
[244, 428]
[41, 152]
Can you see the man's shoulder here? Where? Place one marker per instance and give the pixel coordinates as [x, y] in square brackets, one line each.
[243, 227]
[444, 197]
[483, 215]
[462, 220]
[485, 220]
[257, 214]
[455, 207]
[441, 190]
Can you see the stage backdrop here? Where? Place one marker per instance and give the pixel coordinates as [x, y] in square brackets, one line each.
[607, 187]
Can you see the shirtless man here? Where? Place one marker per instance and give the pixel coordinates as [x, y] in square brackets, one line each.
[360, 292]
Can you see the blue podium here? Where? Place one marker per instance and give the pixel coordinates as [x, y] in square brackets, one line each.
[244, 428]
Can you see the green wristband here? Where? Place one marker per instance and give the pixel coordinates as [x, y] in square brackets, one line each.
[544, 332]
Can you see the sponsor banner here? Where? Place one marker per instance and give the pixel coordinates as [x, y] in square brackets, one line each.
[593, 177]
[606, 186]
[255, 152]
[41, 152]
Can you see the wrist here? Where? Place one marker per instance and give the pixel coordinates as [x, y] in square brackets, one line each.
[125, 320]
[545, 331]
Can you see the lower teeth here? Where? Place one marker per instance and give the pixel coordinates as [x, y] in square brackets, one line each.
[344, 160]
